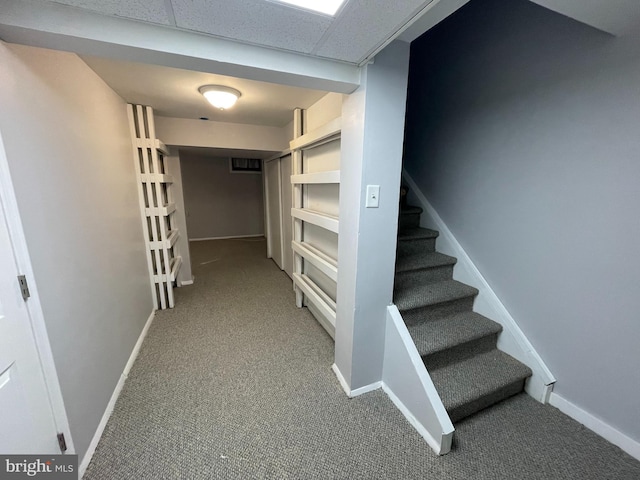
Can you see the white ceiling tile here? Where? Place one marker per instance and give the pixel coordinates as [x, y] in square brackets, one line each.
[364, 25]
[153, 11]
[253, 21]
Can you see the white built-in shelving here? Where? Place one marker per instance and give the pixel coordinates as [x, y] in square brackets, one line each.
[307, 290]
[156, 205]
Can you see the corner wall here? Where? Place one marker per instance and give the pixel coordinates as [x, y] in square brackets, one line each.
[67, 141]
[522, 133]
[219, 203]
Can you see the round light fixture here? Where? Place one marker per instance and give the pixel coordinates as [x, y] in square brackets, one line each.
[219, 96]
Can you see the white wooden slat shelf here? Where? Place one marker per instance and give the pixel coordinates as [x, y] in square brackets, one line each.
[154, 188]
[319, 299]
[328, 222]
[176, 263]
[168, 243]
[329, 177]
[326, 133]
[151, 143]
[161, 211]
[156, 177]
[315, 257]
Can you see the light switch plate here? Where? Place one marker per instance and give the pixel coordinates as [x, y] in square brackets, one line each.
[373, 196]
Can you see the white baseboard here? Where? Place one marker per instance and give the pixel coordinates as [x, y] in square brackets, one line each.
[114, 397]
[185, 283]
[606, 431]
[422, 431]
[512, 340]
[233, 237]
[358, 391]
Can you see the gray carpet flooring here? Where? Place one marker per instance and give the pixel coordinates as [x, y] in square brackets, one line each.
[235, 383]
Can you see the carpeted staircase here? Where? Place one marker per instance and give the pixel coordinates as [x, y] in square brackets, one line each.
[457, 345]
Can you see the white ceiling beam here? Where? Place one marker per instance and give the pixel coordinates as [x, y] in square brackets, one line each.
[50, 25]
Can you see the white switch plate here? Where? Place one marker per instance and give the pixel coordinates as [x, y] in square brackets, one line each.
[373, 196]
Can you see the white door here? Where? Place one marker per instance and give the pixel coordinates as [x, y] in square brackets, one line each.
[287, 222]
[27, 425]
[274, 211]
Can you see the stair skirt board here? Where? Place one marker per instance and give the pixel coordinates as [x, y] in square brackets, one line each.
[512, 340]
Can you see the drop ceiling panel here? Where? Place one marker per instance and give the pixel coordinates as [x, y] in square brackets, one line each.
[153, 11]
[364, 25]
[173, 92]
[252, 21]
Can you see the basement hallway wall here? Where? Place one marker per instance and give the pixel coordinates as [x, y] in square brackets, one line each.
[67, 140]
[522, 132]
[219, 203]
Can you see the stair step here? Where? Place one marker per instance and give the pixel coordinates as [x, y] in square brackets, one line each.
[419, 261]
[416, 233]
[409, 217]
[422, 268]
[420, 303]
[455, 338]
[416, 240]
[471, 385]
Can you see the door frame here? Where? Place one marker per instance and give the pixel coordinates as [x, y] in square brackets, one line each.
[9, 203]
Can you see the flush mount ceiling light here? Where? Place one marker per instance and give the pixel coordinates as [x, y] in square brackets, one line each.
[219, 96]
[328, 7]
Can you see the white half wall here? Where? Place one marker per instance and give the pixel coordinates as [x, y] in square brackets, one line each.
[372, 139]
[409, 386]
[67, 142]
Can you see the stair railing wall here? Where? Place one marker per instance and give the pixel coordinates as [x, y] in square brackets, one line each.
[156, 205]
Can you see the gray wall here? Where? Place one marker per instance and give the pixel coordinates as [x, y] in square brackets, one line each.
[67, 141]
[219, 203]
[522, 131]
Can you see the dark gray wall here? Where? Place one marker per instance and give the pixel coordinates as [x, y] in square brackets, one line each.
[523, 133]
[219, 203]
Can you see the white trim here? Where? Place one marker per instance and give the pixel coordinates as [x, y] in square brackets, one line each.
[512, 340]
[328, 222]
[114, 397]
[439, 448]
[595, 424]
[184, 283]
[326, 133]
[225, 238]
[358, 391]
[34, 307]
[331, 176]
[318, 259]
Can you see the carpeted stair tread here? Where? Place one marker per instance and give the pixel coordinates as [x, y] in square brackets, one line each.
[475, 383]
[410, 210]
[420, 260]
[449, 332]
[416, 233]
[417, 296]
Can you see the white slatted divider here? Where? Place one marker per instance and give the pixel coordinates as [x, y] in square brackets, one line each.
[296, 169]
[306, 289]
[156, 205]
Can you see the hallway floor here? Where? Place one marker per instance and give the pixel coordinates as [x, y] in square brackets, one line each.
[235, 383]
